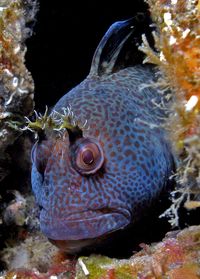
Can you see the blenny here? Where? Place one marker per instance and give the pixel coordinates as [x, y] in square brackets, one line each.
[92, 181]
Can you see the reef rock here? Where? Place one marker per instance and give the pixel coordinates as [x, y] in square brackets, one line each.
[177, 256]
[16, 83]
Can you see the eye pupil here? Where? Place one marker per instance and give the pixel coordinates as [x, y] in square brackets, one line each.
[88, 157]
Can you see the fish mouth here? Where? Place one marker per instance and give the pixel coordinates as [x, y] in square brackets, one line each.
[82, 228]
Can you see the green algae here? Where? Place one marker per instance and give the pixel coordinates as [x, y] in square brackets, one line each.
[124, 272]
[99, 266]
[96, 265]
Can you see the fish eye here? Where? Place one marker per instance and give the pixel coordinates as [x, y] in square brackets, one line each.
[88, 156]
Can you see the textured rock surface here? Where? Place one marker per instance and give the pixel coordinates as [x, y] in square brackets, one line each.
[16, 83]
[177, 56]
[177, 256]
[16, 102]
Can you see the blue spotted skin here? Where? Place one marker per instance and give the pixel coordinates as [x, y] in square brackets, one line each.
[124, 120]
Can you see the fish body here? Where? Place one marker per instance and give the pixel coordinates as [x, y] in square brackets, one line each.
[104, 178]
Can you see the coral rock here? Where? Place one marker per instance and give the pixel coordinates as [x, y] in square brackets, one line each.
[175, 258]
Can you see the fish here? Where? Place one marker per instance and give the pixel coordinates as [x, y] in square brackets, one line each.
[102, 178]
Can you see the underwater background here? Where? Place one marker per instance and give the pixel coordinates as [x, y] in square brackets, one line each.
[65, 38]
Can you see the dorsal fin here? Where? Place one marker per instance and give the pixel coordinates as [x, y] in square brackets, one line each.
[107, 52]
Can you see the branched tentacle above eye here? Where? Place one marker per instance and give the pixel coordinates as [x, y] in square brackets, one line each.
[55, 121]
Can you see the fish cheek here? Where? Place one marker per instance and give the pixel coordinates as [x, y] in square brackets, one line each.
[40, 154]
[49, 164]
[60, 176]
[37, 182]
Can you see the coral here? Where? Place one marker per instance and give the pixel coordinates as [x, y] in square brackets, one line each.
[16, 101]
[177, 55]
[16, 94]
[21, 212]
[177, 256]
[15, 211]
[35, 252]
[37, 258]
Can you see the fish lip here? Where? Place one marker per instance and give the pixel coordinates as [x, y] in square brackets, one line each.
[104, 210]
[98, 224]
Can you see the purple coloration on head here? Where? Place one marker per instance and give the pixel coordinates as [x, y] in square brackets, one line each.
[104, 179]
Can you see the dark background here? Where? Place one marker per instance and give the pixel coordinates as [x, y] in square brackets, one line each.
[66, 34]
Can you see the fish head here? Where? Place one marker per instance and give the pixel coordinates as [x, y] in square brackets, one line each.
[97, 178]
[80, 179]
